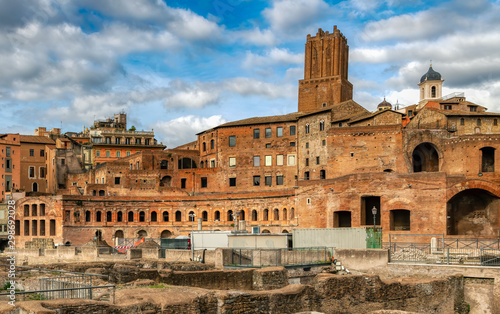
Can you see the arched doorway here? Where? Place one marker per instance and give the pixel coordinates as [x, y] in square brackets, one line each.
[142, 234]
[35, 187]
[473, 212]
[165, 234]
[425, 158]
[118, 237]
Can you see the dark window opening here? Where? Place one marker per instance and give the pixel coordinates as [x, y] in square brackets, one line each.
[165, 216]
[400, 220]
[17, 230]
[285, 217]
[119, 216]
[87, 216]
[98, 217]
[166, 181]
[279, 180]
[204, 182]
[212, 144]
[232, 141]
[117, 180]
[322, 174]
[101, 192]
[230, 215]
[256, 133]
[142, 216]
[265, 215]
[26, 227]
[42, 227]
[433, 91]
[186, 163]
[34, 227]
[178, 216]
[164, 164]
[487, 159]
[26, 210]
[130, 216]
[232, 181]
[306, 175]
[204, 215]
[269, 180]
[42, 209]
[183, 183]
[276, 214]
[217, 215]
[256, 180]
[342, 219]
[254, 215]
[367, 205]
[292, 130]
[268, 132]
[462, 121]
[108, 216]
[52, 227]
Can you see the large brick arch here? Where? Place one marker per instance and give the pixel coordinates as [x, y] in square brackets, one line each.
[414, 138]
[473, 184]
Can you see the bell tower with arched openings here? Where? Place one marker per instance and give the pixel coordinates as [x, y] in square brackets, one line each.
[431, 86]
[325, 71]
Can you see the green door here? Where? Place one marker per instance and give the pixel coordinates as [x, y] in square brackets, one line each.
[373, 238]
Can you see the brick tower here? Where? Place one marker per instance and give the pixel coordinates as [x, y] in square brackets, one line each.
[325, 71]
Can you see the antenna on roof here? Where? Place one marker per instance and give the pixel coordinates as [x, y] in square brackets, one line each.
[431, 63]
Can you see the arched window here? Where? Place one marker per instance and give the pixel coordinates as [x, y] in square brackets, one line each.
[284, 214]
[165, 216]
[166, 181]
[242, 214]
[119, 216]
[254, 215]
[142, 234]
[108, 216]
[425, 158]
[204, 146]
[178, 216]
[98, 216]
[212, 144]
[94, 193]
[130, 216]
[217, 215]
[292, 213]
[119, 234]
[154, 216]
[306, 129]
[276, 214]
[35, 187]
[191, 216]
[204, 215]
[101, 193]
[322, 125]
[462, 121]
[142, 216]
[265, 216]
[202, 164]
[166, 234]
[229, 215]
[87, 216]
[433, 91]
[34, 210]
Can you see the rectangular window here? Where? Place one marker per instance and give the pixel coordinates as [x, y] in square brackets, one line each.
[232, 181]
[232, 141]
[256, 180]
[269, 180]
[7, 152]
[268, 145]
[204, 182]
[269, 160]
[127, 141]
[183, 183]
[137, 165]
[42, 172]
[292, 130]
[128, 154]
[32, 172]
[317, 160]
[138, 141]
[279, 160]
[118, 154]
[146, 141]
[291, 160]
[279, 131]
[292, 144]
[32, 152]
[473, 108]
[117, 140]
[212, 163]
[117, 180]
[7, 164]
[63, 161]
[306, 175]
[323, 142]
[307, 162]
[256, 161]
[232, 161]
[307, 145]
[42, 153]
[108, 153]
[279, 180]
[478, 121]
[256, 133]
[268, 132]
[98, 153]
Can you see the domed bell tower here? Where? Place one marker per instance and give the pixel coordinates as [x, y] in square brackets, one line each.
[431, 86]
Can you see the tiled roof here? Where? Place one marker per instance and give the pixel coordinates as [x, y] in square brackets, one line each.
[464, 113]
[364, 117]
[258, 120]
[36, 139]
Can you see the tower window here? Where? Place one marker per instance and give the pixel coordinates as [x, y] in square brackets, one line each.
[433, 91]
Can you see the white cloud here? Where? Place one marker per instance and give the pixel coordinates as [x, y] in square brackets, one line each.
[275, 56]
[183, 130]
[258, 37]
[291, 17]
[252, 87]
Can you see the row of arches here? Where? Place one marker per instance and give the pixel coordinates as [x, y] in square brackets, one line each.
[165, 216]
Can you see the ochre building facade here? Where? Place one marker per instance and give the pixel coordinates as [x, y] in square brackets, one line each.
[429, 168]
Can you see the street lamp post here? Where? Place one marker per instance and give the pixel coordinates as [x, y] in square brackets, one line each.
[192, 216]
[374, 212]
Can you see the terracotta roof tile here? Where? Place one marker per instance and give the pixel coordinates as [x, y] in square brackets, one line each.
[36, 139]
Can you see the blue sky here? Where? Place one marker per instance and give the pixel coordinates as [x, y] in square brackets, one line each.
[180, 67]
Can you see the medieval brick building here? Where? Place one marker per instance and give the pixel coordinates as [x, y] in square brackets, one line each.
[427, 169]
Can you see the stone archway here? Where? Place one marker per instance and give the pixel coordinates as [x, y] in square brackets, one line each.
[165, 234]
[473, 212]
[425, 158]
